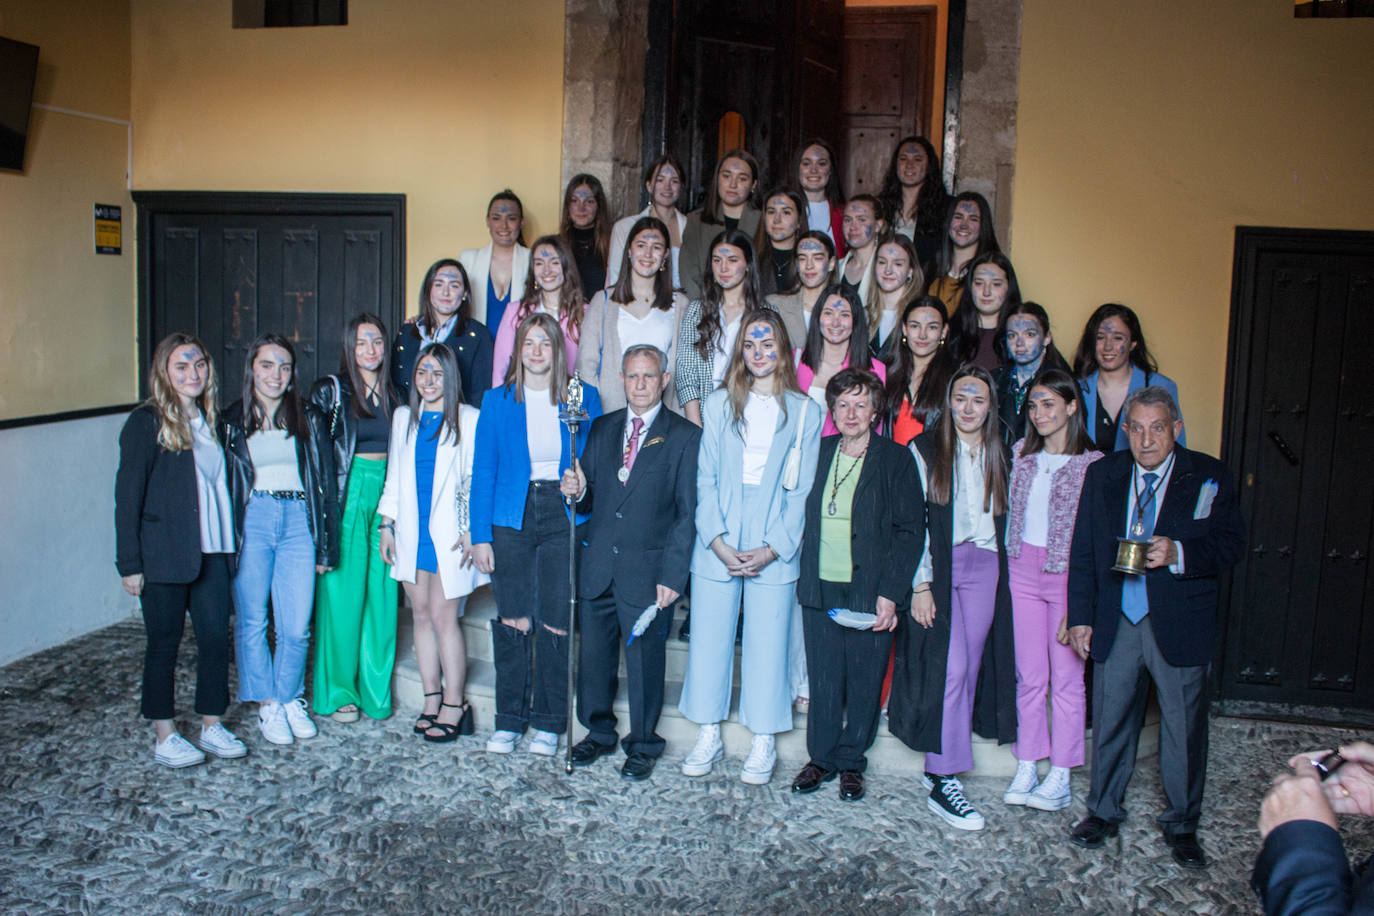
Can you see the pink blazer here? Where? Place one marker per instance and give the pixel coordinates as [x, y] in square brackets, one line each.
[805, 375]
[504, 344]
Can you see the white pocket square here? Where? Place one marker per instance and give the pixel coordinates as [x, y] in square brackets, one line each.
[1205, 495]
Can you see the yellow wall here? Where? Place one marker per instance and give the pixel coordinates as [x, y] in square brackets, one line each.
[1146, 132]
[444, 102]
[67, 335]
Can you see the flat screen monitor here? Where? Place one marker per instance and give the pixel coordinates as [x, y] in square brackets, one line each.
[18, 70]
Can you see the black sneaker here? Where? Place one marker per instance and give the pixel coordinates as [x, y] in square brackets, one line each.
[947, 801]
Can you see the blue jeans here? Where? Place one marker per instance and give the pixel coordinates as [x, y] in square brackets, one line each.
[277, 558]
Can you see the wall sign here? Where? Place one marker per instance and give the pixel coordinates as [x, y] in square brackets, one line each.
[108, 229]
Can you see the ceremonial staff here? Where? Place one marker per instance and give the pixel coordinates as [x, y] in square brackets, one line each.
[572, 415]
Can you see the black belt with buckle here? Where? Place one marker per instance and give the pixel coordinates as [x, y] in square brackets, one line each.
[281, 494]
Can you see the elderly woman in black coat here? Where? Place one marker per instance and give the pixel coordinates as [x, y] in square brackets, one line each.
[865, 529]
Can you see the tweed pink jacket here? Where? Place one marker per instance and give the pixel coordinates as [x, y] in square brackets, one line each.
[1065, 487]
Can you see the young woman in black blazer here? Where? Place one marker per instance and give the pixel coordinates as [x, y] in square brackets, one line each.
[174, 529]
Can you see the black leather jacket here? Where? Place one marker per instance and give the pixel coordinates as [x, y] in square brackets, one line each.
[314, 460]
[342, 425]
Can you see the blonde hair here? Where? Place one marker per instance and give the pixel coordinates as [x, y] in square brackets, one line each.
[738, 380]
[173, 432]
[558, 373]
[911, 290]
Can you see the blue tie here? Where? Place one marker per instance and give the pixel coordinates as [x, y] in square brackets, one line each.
[1135, 603]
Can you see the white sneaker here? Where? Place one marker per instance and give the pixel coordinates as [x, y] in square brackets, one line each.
[545, 744]
[758, 766]
[705, 752]
[298, 719]
[502, 742]
[1022, 783]
[1053, 793]
[176, 752]
[947, 801]
[272, 723]
[221, 742]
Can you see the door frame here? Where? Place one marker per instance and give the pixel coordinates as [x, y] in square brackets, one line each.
[151, 204]
[1251, 242]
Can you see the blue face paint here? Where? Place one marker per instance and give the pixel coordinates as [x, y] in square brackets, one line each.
[1025, 341]
[758, 331]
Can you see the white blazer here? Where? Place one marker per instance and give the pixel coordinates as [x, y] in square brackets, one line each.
[620, 234]
[452, 480]
[477, 263]
[865, 284]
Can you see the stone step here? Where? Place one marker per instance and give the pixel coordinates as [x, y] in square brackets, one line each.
[887, 756]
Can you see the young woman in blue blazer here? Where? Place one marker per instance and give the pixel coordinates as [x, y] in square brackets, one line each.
[520, 533]
[1113, 361]
[760, 438]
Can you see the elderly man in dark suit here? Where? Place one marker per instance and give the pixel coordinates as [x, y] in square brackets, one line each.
[1159, 623]
[638, 478]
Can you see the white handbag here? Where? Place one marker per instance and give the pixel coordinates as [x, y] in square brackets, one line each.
[791, 472]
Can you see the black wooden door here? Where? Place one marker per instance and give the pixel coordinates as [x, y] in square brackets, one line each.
[774, 63]
[228, 267]
[1299, 622]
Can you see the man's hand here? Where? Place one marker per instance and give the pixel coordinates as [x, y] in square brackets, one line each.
[1081, 638]
[1161, 552]
[887, 615]
[1295, 797]
[664, 596]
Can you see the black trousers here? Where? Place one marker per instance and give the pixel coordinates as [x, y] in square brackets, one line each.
[605, 625]
[846, 669]
[165, 605]
[531, 580]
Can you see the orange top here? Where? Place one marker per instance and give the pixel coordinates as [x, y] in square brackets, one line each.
[906, 427]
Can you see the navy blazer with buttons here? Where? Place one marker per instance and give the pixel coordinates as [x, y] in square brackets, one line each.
[1183, 607]
[1302, 869]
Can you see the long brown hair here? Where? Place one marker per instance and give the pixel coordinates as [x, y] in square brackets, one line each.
[624, 292]
[738, 380]
[173, 432]
[558, 373]
[601, 226]
[348, 366]
[1059, 382]
[429, 319]
[290, 413]
[910, 291]
[709, 326]
[453, 393]
[995, 477]
[571, 306]
[901, 364]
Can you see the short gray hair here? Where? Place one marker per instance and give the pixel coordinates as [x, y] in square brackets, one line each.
[1152, 396]
[644, 350]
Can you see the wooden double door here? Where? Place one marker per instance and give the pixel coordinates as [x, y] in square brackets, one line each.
[229, 266]
[1299, 622]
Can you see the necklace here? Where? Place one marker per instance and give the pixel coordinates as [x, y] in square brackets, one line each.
[835, 485]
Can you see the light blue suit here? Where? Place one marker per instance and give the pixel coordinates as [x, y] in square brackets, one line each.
[1089, 386]
[747, 517]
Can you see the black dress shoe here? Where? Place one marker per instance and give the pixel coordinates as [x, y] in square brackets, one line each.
[586, 751]
[637, 767]
[1186, 849]
[810, 778]
[851, 785]
[1092, 831]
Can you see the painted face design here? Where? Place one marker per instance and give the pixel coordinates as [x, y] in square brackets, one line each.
[892, 267]
[536, 353]
[1025, 341]
[813, 263]
[837, 320]
[503, 222]
[429, 382]
[1047, 411]
[547, 267]
[814, 170]
[728, 266]
[989, 283]
[369, 347]
[966, 224]
[446, 291]
[970, 402]
[860, 224]
[272, 369]
[666, 186]
[189, 371]
[924, 330]
[912, 165]
[582, 207]
[1113, 345]
[647, 251]
[760, 349]
[734, 182]
[780, 218]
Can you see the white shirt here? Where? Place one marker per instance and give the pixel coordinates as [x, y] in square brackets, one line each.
[647, 416]
[818, 216]
[1036, 530]
[760, 423]
[274, 461]
[212, 491]
[725, 343]
[1139, 487]
[655, 328]
[544, 434]
[971, 523]
[886, 322]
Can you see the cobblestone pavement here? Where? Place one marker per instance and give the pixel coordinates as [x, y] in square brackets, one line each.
[367, 818]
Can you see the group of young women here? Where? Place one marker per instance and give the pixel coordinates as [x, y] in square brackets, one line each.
[890, 463]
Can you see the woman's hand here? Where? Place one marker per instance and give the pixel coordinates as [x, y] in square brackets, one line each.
[573, 483]
[887, 615]
[1062, 636]
[728, 555]
[483, 558]
[753, 561]
[388, 547]
[321, 569]
[133, 584]
[923, 607]
[464, 544]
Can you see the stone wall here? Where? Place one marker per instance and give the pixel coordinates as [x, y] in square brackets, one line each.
[603, 95]
[987, 134]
